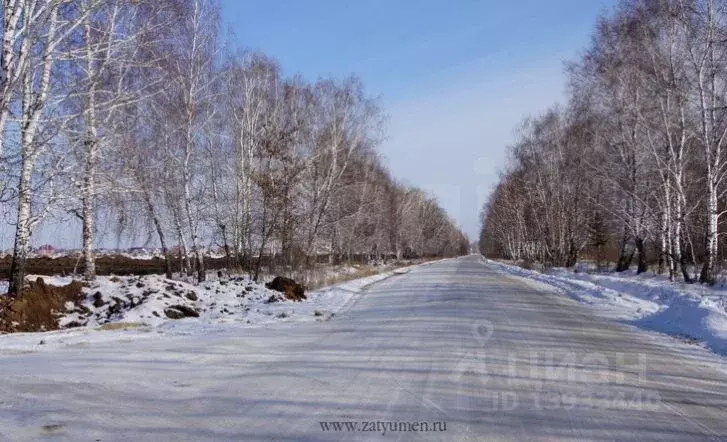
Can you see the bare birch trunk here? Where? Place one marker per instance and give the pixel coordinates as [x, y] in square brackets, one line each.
[22, 232]
[160, 233]
[33, 103]
[710, 251]
[199, 259]
[87, 211]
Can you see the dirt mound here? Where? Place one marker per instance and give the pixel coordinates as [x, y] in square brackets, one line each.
[38, 307]
[288, 287]
[181, 311]
[105, 265]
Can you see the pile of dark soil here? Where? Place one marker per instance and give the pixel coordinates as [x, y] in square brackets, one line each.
[105, 265]
[181, 311]
[38, 307]
[291, 289]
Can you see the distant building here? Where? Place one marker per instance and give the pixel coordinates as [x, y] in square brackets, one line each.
[46, 250]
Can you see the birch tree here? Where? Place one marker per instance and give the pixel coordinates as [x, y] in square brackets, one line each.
[110, 78]
[190, 53]
[45, 25]
[707, 57]
[653, 82]
[345, 120]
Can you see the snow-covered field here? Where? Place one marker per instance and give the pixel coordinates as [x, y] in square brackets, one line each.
[133, 308]
[691, 312]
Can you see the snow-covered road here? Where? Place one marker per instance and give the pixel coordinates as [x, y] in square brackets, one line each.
[455, 341]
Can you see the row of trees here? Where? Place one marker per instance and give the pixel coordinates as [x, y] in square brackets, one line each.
[132, 112]
[635, 163]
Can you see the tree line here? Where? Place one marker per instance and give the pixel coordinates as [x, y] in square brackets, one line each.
[137, 114]
[632, 168]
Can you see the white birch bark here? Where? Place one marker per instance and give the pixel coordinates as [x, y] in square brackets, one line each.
[34, 99]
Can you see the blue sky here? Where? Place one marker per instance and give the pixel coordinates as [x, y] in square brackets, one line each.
[455, 77]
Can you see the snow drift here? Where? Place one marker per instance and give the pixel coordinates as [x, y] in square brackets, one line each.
[690, 312]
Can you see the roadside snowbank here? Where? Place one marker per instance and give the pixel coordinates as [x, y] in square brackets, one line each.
[690, 312]
[150, 300]
[124, 309]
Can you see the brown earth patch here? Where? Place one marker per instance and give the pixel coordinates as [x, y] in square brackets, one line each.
[105, 265]
[38, 307]
[291, 289]
[180, 311]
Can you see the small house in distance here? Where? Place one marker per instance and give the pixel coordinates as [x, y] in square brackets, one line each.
[46, 250]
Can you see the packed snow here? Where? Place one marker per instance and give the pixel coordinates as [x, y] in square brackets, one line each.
[692, 312]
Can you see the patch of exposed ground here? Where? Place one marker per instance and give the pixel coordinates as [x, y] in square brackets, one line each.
[38, 307]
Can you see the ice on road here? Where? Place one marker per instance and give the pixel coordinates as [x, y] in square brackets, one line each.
[456, 342]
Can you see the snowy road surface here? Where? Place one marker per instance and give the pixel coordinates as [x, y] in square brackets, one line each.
[453, 342]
